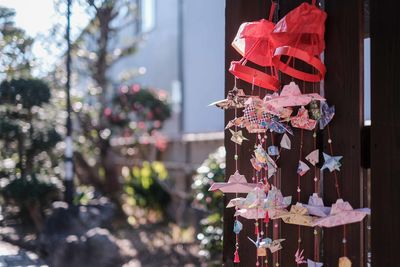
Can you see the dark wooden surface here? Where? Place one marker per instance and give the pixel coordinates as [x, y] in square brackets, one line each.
[385, 132]
[343, 88]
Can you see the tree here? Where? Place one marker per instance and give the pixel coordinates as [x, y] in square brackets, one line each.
[109, 110]
[15, 47]
[28, 139]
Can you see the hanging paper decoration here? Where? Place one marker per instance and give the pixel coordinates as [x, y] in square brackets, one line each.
[342, 213]
[235, 99]
[344, 262]
[311, 263]
[298, 36]
[316, 206]
[237, 183]
[313, 157]
[331, 162]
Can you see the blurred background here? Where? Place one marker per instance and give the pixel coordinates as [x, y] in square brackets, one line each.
[108, 145]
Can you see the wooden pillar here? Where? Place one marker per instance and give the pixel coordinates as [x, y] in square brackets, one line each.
[344, 89]
[385, 132]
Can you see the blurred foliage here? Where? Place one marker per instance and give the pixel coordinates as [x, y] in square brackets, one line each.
[212, 170]
[144, 187]
[30, 189]
[29, 158]
[135, 104]
[15, 47]
[27, 92]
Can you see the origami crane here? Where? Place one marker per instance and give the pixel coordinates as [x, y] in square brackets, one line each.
[297, 215]
[275, 200]
[298, 256]
[237, 137]
[302, 168]
[316, 206]
[291, 96]
[331, 162]
[285, 142]
[273, 246]
[253, 199]
[235, 99]
[313, 157]
[302, 121]
[342, 213]
[239, 122]
[237, 183]
[344, 262]
[274, 125]
[263, 161]
[327, 114]
[311, 263]
[255, 205]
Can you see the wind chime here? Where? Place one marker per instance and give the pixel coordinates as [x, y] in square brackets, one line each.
[299, 36]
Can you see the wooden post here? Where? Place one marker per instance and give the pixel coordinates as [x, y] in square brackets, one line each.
[344, 89]
[385, 132]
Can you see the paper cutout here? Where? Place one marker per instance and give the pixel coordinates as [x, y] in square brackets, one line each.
[235, 99]
[313, 157]
[298, 257]
[237, 227]
[311, 263]
[273, 246]
[327, 114]
[316, 206]
[291, 96]
[285, 142]
[273, 151]
[342, 213]
[331, 162]
[302, 121]
[297, 215]
[237, 137]
[237, 183]
[344, 262]
[302, 168]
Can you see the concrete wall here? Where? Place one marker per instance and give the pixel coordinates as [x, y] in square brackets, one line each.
[203, 58]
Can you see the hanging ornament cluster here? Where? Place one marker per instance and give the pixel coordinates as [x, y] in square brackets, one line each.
[299, 36]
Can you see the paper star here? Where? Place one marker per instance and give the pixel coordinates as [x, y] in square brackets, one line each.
[331, 162]
[237, 137]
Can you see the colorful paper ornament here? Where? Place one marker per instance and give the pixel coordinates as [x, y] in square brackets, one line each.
[344, 262]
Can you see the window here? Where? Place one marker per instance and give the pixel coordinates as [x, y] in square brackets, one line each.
[147, 15]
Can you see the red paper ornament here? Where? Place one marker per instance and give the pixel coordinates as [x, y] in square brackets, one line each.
[300, 35]
[236, 257]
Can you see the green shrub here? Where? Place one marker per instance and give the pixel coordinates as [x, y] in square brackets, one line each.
[210, 236]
